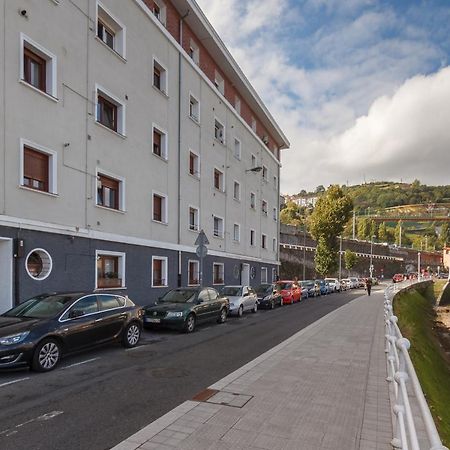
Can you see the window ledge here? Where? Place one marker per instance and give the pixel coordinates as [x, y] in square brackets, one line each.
[160, 223]
[196, 121]
[219, 190]
[218, 237]
[238, 200]
[166, 160]
[193, 285]
[194, 176]
[43, 93]
[50, 194]
[111, 288]
[114, 52]
[194, 231]
[123, 136]
[161, 92]
[223, 143]
[120, 211]
[156, 287]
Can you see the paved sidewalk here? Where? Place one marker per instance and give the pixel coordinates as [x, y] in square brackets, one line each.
[323, 388]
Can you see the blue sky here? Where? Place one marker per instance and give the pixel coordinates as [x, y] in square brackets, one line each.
[360, 87]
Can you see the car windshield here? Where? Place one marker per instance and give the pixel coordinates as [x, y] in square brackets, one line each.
[284, 285]
[231, 291]
[179, 296]
[264, 289]
[42, 306]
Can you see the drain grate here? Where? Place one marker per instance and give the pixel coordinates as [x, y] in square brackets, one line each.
[230, 399]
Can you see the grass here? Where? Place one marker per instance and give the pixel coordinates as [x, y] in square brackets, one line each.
[416, 320]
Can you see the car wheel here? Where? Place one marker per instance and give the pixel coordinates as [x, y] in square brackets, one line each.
[189, 324]
[223, 316]
[46, 355]
[240, 311]
[255, 308]
[131, 335]
[272, 304]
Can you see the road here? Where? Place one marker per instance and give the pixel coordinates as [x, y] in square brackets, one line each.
[97, 399]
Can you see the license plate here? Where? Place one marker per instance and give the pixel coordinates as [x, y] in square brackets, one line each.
[152, 320]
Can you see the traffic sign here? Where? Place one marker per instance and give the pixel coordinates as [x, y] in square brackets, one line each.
[201, 251]
[201, 239]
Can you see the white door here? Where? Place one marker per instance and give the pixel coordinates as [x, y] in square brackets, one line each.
[6, 274]
[245, 274]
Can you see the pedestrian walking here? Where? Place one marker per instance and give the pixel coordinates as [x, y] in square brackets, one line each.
[369, 285]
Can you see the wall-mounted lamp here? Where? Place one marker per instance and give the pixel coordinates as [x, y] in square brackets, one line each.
[255, 169]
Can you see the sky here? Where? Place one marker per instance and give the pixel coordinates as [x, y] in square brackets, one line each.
[361, 88]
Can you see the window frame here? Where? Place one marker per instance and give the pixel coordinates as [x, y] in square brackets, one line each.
[238, 239]
[51, 66]
[221, 180]
[264, 278]
[121, 197]
[196, 173]
[162, 16]
[219, 132]
[264, 207]
[237, 146]
[264, 241]
[221, 232]
[194, 51]
[197, 224]
[164, 208]
[197, 264]
[219, 81]
[265, 173]
[164, 76]
[236, 183]
[52, 166]
[164, 142]
[120, 111]
[252, 237]
[274, 244]
[253, 201]
[164, 271]
[218, 281]
[121, 267]
[195, 118]
[116, 26]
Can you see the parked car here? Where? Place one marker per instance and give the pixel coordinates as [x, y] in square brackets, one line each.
[345, 284]
[305, 287]
[312, 287]
[354, 282]
[397, 278]
[184, 308]
[361, 282]
[324, 288]
[268, 296]
[334, 284]
[242, 299]
[290, 291]
[349, 283]
[39, 331]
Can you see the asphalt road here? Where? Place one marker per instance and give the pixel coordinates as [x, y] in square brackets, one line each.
[94, 400]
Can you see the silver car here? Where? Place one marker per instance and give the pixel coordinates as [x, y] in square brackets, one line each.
[334, 283]
[242, 298]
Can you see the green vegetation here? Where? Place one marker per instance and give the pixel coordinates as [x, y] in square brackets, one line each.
[326, 223]
[416, 320]
[350, 259]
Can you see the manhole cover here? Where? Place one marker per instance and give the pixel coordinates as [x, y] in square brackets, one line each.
[223, 398]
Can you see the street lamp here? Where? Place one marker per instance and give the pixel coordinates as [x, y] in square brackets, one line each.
[254, 169]
[371, 254]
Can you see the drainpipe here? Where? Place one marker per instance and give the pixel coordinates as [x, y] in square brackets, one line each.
[179, 149]
[278, 218]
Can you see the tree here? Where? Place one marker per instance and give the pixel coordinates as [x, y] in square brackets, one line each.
[444, 235]
[382, 232]
[320, 189]
[290, 215]
[350, 259]
[326, 222]
[363, 228]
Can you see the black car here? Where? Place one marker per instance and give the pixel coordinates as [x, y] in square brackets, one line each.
[40, 330]
[268, 296]
[184, 308]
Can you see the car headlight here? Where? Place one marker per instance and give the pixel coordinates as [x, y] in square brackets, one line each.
[172, 315]
[267, 297]
[14, 338]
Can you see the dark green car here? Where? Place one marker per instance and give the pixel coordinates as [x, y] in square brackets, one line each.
[184, 308]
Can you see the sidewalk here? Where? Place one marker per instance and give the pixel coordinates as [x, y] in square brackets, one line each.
[323, 388]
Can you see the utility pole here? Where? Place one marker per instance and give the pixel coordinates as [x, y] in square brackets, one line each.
[340, 257]
[354, 224]
[418, 265]
[304, 249]
[371, 254]
[400, 235]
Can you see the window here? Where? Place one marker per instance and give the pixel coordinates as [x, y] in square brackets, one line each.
[275, 214]
[263, 241]
[39, 264]
[218, 180]
[219, 131]
[193, 219]
[218, 273]
[193, 273]
[109, 192]
[110, 270]
[275, 182]
[263, 274]
[237, 104]
[108, 302]
[159, 11]
[38, 167]
[264, 173]
[159, 208]
[252, 238]
[219, 82]
[37, 66]
[274, 245]
[264, 207]
[159, 142]
[252, 200]
[237, 191]
[237, 148]
[194, 164]
[253, 124]
[110, 112]
[159, 77]
[110, 31]
[218, 227]
[159, 271]
[253, 161]
[236, 232]
[274, 275]
[194, 108]
[194, 52]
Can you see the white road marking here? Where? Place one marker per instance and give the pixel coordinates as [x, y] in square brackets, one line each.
[44, 417]
[79, 363]
[135, 348]
[14, 381]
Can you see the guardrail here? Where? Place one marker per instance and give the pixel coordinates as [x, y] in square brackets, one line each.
[400, 372]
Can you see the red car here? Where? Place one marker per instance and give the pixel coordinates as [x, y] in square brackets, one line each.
[397, 278]
[290, 291]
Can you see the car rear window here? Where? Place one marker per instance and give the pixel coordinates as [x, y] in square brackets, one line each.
[110, 302]
[232, 291]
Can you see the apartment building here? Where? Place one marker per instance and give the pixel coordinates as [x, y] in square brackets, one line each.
[126, 128]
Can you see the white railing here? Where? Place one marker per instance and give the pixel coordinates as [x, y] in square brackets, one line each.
[400, 373]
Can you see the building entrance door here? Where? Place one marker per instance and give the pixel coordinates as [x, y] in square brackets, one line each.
[245, 274]
[6, 274]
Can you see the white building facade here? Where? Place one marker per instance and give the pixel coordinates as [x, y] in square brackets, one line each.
[126, 128]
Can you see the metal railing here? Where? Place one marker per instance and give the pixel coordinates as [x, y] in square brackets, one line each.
[400, 373]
